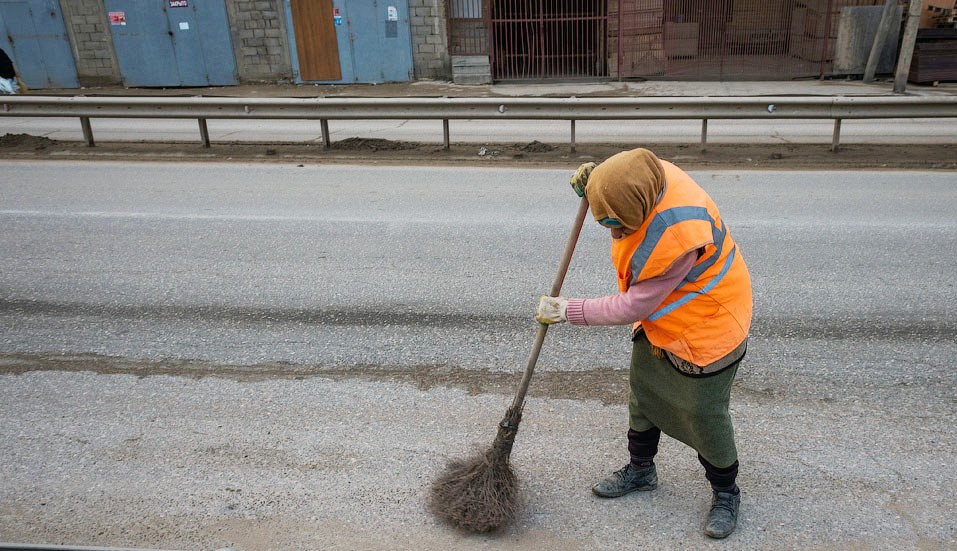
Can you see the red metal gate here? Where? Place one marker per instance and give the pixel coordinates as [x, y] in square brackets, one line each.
[548, 39]
[468, 27]
[680, 39]
[532, 39]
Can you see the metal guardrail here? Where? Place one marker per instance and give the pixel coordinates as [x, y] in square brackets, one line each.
[42, 547]
[836, 108]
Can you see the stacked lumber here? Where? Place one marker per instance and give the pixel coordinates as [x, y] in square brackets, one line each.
[938, 14]
[935, 56]
[943, 18]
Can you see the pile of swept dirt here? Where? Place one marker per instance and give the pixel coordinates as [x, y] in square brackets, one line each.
[537, 147]
[371, 144]
[26, 141]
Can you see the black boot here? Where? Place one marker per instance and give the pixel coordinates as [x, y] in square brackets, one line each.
[639, 475]
[725, 501]
[723, 516]
[626, 480]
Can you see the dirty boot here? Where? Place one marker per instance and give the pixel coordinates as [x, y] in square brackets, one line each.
[723, 516]
[626, 480]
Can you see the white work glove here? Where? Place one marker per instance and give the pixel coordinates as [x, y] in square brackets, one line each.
[551, 310]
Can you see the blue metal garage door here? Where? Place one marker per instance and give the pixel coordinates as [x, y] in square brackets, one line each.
[172, 42]
[34, 36]
[374, 39]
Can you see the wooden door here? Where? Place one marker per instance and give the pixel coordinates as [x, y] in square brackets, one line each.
[316, 42]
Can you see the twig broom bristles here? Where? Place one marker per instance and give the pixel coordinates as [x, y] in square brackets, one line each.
[480, 494]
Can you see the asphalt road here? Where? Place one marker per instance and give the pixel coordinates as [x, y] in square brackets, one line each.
[276, 357]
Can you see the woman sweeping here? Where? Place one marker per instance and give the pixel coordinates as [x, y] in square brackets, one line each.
[686, 290]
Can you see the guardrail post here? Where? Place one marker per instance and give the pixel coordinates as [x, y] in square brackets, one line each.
[326, 142]
[87, 131]
[704, 134]
[836, 139]
[204, 132]
[573, 136]
[445, 134]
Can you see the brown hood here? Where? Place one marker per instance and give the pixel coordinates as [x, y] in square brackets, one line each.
[626, 187]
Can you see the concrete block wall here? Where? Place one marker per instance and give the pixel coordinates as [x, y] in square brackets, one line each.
[91, 41]
[430, 52]
[260, 40]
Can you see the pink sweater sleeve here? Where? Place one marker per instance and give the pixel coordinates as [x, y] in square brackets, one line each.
[637, 303]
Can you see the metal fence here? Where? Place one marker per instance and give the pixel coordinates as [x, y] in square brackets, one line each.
[541, 40]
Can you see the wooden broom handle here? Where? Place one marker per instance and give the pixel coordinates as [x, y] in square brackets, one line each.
[518, 402]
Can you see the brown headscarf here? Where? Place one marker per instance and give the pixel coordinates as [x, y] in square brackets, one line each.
[626, 187]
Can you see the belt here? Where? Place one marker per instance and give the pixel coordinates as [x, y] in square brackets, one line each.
[713, 368]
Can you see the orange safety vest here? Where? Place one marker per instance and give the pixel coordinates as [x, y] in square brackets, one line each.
[709, 314]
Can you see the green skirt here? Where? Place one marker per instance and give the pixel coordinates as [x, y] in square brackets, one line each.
[693, 410]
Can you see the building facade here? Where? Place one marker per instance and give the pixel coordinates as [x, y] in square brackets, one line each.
[182, 43]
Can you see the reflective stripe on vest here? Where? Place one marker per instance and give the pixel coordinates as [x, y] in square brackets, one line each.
[657, 228]
[669, 308]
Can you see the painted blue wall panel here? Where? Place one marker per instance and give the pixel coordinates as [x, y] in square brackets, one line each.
[343, 39]
[161, 45]
[291, 36]
[34, 36]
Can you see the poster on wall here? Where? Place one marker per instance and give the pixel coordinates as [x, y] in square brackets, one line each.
[392, 22]
[117, 18]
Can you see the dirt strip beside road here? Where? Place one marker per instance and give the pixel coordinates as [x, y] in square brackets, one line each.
[367, 150]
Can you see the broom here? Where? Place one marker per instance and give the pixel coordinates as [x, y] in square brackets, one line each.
[480, 494]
